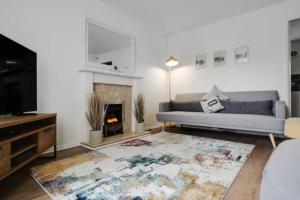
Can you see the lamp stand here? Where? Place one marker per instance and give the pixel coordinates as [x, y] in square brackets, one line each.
[169, 124]
[169, 83]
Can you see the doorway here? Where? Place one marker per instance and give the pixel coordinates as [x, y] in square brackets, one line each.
[294, 34]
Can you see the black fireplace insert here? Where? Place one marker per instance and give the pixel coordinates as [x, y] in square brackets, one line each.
[113, 120]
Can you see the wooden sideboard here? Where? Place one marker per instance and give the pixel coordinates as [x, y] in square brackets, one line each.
[24, 138]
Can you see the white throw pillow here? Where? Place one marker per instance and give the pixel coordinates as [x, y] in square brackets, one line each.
[215, 92]
[211, 105]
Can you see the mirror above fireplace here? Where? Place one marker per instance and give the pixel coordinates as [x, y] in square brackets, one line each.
[108, 48]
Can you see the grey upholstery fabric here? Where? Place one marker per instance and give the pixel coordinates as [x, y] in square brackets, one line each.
[256, 123]
[245, 122]
[280, 109]
[234, 96]
[281, 176]
[164, 107]
[191, 106]
[248, 107]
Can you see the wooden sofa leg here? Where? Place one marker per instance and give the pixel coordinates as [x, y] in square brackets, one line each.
[272, 138]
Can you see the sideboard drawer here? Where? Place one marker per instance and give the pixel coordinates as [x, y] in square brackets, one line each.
[4, 152]
[46, 139]
[4, 167]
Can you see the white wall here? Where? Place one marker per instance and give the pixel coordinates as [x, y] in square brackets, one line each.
[56, 31]
[266, 33]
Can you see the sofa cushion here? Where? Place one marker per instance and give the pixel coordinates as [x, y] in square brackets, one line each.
[247, 122]
[215, 92]
[211, 105]
[248, 107]
[191, 106]
[281, 176]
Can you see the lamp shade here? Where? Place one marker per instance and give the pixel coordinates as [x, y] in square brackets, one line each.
[172, 62]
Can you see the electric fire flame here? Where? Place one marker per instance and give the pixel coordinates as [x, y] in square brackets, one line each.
[112, 120]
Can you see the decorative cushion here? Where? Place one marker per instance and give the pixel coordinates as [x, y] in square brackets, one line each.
[292, 128]
[190, 106]
[215, 92]
[248, 107]
[211, 105]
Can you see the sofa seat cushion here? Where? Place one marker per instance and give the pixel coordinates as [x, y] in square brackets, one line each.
[247, 122]
[281, 176]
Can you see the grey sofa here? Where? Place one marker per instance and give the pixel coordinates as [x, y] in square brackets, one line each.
[260, 124]
[281, 176]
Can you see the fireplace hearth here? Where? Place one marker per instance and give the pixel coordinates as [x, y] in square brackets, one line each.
[113, 120]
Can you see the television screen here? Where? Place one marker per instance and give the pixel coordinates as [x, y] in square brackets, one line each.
[18, 88]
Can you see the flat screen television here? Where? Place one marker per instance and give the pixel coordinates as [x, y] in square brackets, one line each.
[18, 78]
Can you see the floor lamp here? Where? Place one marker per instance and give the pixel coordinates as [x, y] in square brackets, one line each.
[171, 62]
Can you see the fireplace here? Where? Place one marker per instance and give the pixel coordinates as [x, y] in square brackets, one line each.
[113, 120]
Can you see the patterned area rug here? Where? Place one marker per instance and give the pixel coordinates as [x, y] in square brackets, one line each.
[154, 167]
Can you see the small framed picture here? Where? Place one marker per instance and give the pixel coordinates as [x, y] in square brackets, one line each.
[219, 58]
[200, 61]
[241, 55]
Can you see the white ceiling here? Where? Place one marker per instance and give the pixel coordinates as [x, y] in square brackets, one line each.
[102, 40]
[173, 16]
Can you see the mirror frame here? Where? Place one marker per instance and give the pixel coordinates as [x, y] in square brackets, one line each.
[101, 66]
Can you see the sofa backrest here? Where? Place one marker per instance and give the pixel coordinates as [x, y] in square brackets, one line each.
[270, 95]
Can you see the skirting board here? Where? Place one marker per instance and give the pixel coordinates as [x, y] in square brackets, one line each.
[157, 125]
[63, 147]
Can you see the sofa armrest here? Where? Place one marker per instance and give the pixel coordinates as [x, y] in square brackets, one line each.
[165, 107]
[280, 109]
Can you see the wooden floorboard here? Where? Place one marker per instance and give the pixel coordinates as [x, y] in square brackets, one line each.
[21, 186]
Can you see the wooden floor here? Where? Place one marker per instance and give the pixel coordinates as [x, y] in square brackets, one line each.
[21, 186]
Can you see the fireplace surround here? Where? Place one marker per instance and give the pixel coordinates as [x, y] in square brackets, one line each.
[118, 117]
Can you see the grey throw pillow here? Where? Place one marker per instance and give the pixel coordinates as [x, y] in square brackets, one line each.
[215, 92]
[211, 105]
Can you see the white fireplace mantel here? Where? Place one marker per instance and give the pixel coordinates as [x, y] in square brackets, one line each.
[109, 73]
